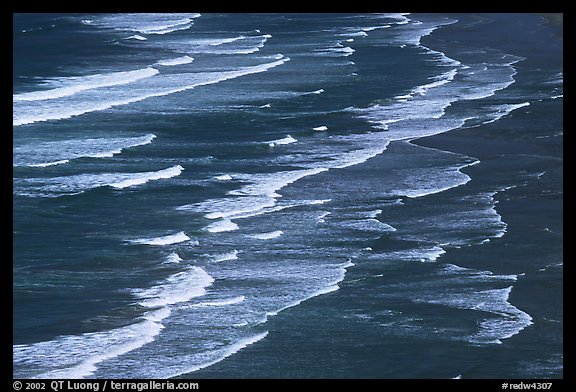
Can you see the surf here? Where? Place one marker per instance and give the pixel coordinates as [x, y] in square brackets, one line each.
[45, 154]
[162, 240]
[89, 100]
[77, 84]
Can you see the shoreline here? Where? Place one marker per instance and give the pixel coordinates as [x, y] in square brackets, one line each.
[302, 329]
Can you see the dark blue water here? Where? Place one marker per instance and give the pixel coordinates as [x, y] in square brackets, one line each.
[194, 193]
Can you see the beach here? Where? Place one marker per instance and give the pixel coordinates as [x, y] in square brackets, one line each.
[334, 345]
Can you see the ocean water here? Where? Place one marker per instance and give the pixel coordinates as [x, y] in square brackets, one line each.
[190, 189]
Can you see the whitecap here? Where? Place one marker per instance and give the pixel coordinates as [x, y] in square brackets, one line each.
[77, 356]
[144, 23]
[423, 254]
[223, 302]
[500, 111]
[439, 80]
[223, 177]
[222, 354]
[287, 140]
[505, 322]
[328, 288]
[315, 92]
[143, 178]
[163, 240]
[230, 256]
[137, 37]
[357, 34]
[61, 152]
[46, 164]
[76, 184]
[76, 84]
[222, 41]
[180, 287]
[369, 225]
[321, 218]
[93, 100]
[343, 51]
[372, 28]
[176, 61]
[267, 236]
[173, 258]
[221, 226]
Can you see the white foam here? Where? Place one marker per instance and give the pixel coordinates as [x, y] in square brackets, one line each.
[287, 140]
[503, 110]
[374, 213]
[54, 163]
[267, 184]
[173, 258]
[77, 84]
[184, 25]
[322, 216]
[222, 354]
[339, 50]
[424, 254]
[453, 269]
[224, 302]
[221, 226]
[230, 256]
[180, 287]
[369, 150]
[267, 236]
[144, 23]
[372, 28]
[119, 144]
[328, 288]
[163, 240]
[176, 61]
[157, 315]
[222, 41]
[233, 208]
[230, 45]
[440, 80]
[315, 92]
[404, 98]
[345, 51]
[275, 208]
[94, 100]
[508, 320]
[239, 51]
[314, 202]
[321, 128]
[223, 177]
[256, 206]
[60, 152]
[143, 178]
[137, 37]
[76, 184]
[76, 356]
[253, 199]
[370, 225]
[452, 177]
[357, 34]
